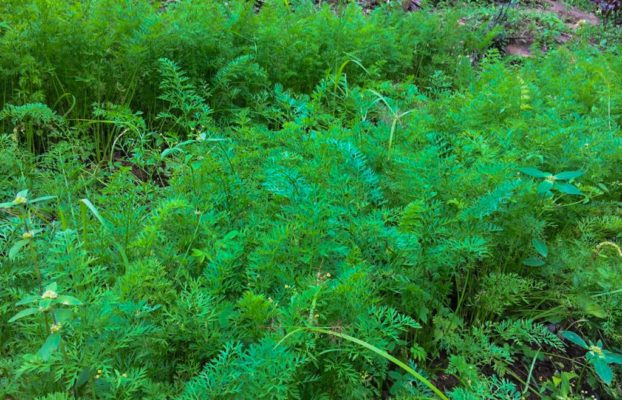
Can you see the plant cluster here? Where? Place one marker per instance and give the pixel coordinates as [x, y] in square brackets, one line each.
[302, 203]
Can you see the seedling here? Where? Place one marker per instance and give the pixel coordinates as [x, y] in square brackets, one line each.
[600, 358]
[49, 305]
[558, 182]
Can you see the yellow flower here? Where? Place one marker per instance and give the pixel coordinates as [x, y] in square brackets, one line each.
[19, 199]
[597, 350]
[49, 294]
[56, 327]
[28, 235]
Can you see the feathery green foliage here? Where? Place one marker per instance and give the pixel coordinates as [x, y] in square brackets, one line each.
[305, 202]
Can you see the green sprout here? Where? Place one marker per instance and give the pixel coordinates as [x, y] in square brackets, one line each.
[48, 304]
[597, 356]
[558, 182]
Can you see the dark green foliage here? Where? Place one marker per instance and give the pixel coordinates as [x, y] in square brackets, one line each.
[272, 205]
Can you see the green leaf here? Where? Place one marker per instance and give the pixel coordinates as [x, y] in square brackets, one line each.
[28, 300]
[533, 261]
[83, 378]
[52, 287]
[384, 355]
[540, 247]
[591, 307]
[536, 173]
[87, 203]
[231, 235]
[612, 358]
[15, 249]
[7, 205]
[68, 301]
[567, 175]
[595, 310]
[603, 370]
[574, 338]
[93, 210]
[45, 303]
[170, 150]
[568, 188]
[41, 199]
[63, 315]
[50, 346]
[545, 187]
[24, 313]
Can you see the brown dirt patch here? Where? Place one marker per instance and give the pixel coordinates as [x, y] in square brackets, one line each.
[572, 16]
[519, 46]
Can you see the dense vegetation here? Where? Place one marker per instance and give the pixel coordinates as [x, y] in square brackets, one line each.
[211, 201]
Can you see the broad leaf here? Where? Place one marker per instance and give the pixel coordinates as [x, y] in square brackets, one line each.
[574, 338]
[612, 358]
[567, 175]
[603, 370]
[591, 307]
[83, 378]
[50, 346]
[69, 300]
[536, 173]
[15, 249]
[533, 261]
[540, 247]
[28, 300]
[24, 313]
[63, 315]
[52, 287]
[544, 187]
[568, 188]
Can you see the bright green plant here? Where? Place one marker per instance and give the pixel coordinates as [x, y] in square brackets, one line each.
[22, 207]
[555, 182]
[49, 305]
[600, 359]
[223, 176]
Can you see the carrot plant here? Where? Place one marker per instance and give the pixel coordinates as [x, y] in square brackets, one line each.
[303, 201]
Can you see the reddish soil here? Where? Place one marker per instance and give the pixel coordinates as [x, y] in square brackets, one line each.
[572, 16]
